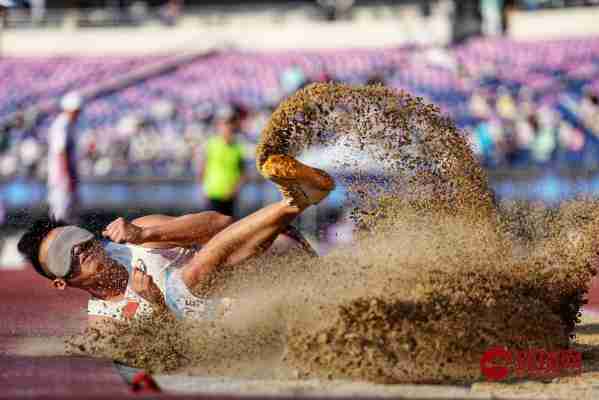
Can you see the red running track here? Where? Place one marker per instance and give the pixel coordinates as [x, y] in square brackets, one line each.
[30, 308]
[59, 376]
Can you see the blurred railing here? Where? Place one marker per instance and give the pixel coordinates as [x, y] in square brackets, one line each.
[532, 5]
[548, 184]
[173, 12]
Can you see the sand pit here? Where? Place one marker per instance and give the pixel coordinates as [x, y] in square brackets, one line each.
[583, 386]
[580, 386]
[438, 273]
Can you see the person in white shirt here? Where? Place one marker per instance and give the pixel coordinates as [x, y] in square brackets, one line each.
[62, 163]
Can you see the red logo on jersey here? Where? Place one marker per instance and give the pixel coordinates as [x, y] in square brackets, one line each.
[130, 309]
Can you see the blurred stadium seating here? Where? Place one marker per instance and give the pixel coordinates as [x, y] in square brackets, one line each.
[522, 104]
[495, 89]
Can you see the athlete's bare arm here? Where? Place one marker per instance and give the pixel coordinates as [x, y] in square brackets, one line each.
[160, 231]
[208, 224]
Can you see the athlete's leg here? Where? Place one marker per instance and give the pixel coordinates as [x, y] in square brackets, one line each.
[243, 239]
[301, 186]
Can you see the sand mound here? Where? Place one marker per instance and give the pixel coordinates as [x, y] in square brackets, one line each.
[437, 311]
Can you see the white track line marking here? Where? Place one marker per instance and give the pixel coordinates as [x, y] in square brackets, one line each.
[10, 258]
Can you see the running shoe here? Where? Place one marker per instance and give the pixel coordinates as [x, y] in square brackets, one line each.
[300, 184]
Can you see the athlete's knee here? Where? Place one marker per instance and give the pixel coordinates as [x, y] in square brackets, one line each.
[224, 220]
[219, 221]
[290, 211]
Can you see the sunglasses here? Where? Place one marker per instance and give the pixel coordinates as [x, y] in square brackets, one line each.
[76, 253]
[61, 252]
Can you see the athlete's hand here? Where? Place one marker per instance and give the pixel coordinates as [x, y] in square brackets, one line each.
[144, 285]
[122, 231]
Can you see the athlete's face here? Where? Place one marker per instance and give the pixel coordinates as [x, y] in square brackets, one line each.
[229, 128]
[89, 261]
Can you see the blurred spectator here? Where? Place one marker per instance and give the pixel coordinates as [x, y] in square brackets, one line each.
[376, 79]
[545, 141]
[335, 9]
[525, 132]
[27, 147]
[2, 222]
[483, 141]
[506, 107]
[222, 170]
[293, 79]
[144, 146]
[589, 111]
[38, 11]
[138, 12]
[197, 131]
[4, 5]
[492, 17]
[571, 142]
[172, 150]
[170, 12]
[20, 152]
[62, 169]
[509, 145]
[18, 130]
[30, 153]
[526, 101]
[479, 107]
[4, 138]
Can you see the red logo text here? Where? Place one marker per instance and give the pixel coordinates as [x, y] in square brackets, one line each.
[499, 363]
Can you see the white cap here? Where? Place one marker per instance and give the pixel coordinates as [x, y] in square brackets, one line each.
[71, 101]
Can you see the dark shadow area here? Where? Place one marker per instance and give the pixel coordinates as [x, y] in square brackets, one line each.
[588, 329]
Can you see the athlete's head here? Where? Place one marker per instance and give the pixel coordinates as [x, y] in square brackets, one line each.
[68, 255]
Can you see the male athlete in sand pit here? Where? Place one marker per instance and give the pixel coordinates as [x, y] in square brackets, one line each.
[160, 258]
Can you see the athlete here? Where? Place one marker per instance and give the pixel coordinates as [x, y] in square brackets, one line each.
[155, 261]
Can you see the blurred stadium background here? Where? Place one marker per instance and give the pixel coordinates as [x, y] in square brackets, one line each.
[520, 78]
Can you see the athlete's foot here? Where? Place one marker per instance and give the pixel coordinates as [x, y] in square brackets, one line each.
[301, 185]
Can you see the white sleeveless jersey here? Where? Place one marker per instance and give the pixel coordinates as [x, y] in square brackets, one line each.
[164, 266]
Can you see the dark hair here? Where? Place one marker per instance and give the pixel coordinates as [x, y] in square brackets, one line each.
[29, 244]
[238, 113]
[534, 122]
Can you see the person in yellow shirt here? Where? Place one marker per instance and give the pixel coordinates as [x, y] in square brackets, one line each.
[222, 170]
